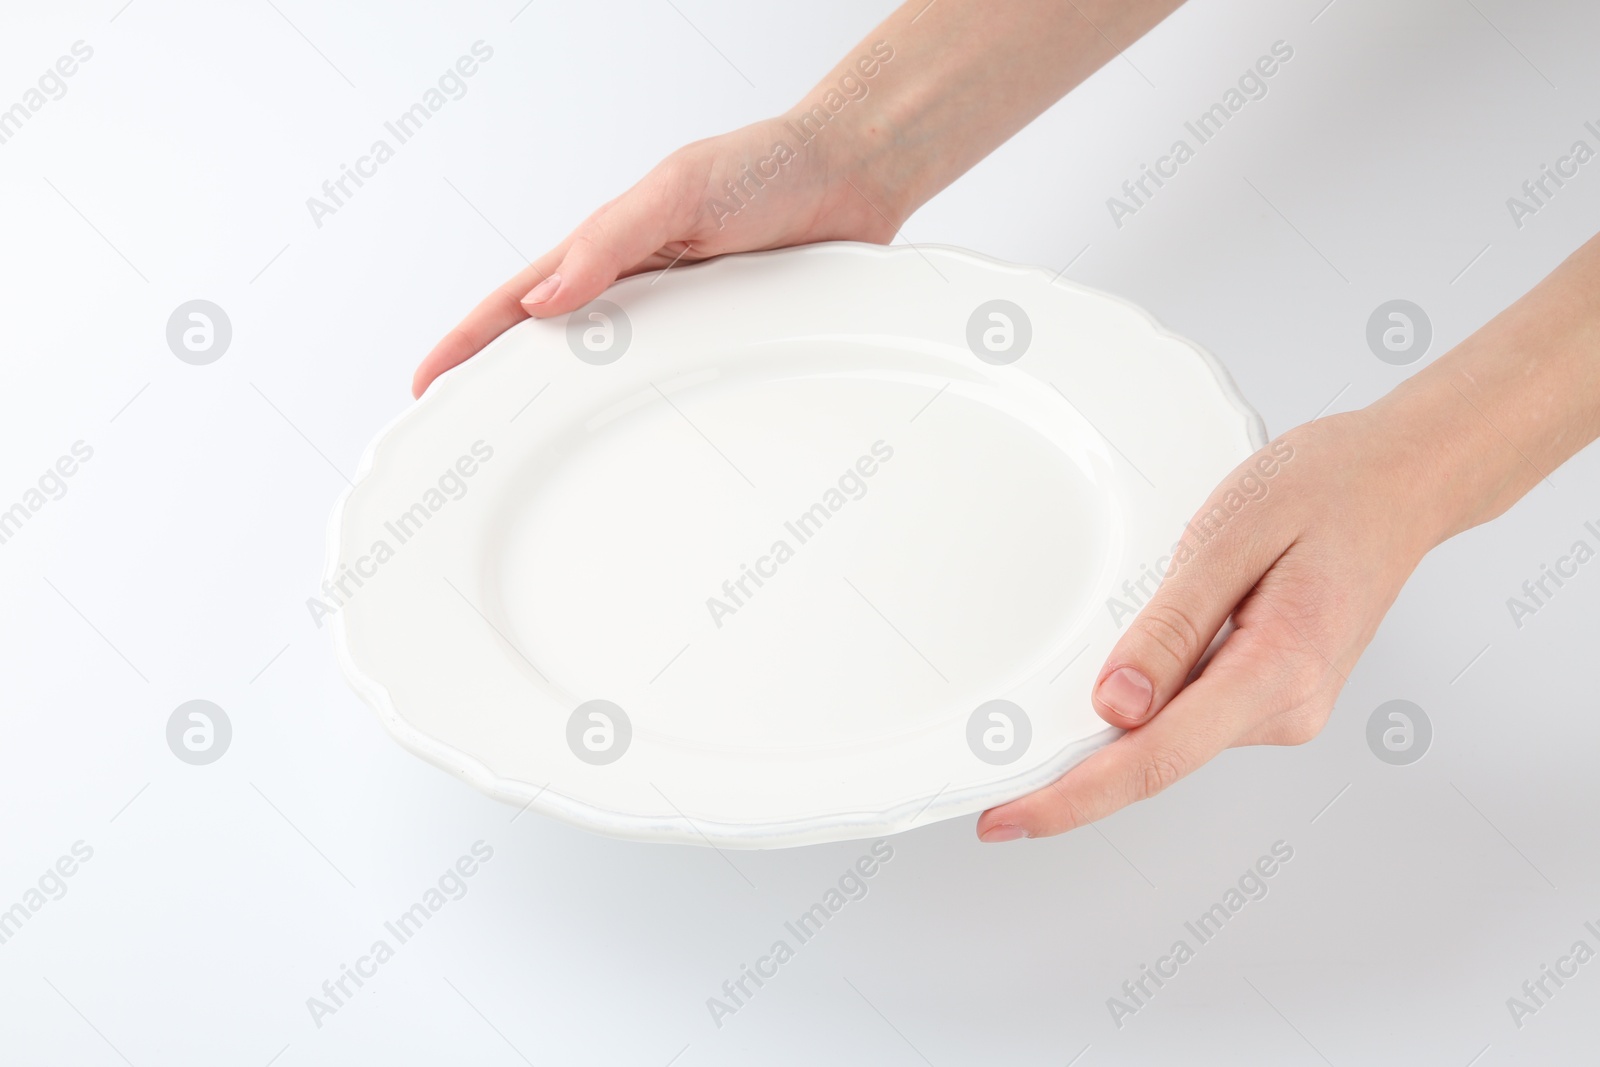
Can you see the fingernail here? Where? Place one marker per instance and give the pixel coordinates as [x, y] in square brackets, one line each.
[1127, 692]
[1003, 832]
[543, 291]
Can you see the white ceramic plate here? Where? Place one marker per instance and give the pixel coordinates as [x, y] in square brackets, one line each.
[742, 554]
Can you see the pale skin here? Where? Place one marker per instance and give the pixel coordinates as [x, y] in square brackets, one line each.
[1306, 572]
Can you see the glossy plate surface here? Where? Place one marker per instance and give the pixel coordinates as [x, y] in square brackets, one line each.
[782, 548]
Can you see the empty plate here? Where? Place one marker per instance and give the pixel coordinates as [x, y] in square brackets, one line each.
[782, 548]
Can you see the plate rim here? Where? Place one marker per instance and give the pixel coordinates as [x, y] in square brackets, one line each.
[681, 828]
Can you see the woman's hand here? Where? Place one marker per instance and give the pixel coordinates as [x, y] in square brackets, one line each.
[918, 102]
[1334, 517]
[1323, 530]
[733, 193]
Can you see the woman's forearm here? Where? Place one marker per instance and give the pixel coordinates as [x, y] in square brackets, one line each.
[1510, 404]
[963, 77]
[936, 87]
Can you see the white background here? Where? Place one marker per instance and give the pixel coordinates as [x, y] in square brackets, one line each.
[219, 898]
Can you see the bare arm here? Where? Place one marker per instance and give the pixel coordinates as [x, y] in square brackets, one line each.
[969, 74]
[1308, 571]
[932, 90]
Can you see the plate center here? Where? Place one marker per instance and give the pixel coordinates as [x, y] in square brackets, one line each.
[765, 554]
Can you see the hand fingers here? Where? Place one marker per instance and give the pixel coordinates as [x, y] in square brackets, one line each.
[621, 237]
[1204, 719]
[1218, 561]
[610, 244]
[497, 313]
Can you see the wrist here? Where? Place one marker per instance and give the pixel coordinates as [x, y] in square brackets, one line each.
[861, 146]
[1514, 401]
[1458, 469]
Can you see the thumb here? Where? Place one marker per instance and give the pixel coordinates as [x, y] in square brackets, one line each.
[1212, 569]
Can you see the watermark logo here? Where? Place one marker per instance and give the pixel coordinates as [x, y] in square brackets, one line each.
[999, 732]
[51, 85]
[849, 887]
[599, 333]
[51, 885]
[52, 485]
[451, 885]
[199, 732]
[1538, 992]
[451, 85]
[1252, 487]
[1552, 578]
[450, 485]
[805, 124]
[1250, 887]
[850, 485]
[999, 332]
[599, 732]
[1399, 332]
[1399, 732]
[1538, 191]
[1137, 192]
[199, 332]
